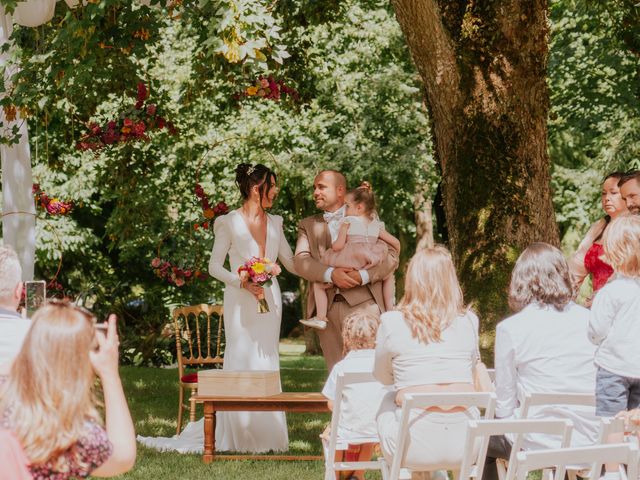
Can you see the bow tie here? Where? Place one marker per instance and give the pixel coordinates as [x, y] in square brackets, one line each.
[333, 216]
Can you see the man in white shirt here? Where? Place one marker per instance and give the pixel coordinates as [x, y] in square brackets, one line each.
[13, 328]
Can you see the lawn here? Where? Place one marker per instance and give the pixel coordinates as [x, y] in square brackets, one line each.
[153, 399]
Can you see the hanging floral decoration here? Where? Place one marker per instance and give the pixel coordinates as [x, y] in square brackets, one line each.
[52, 206]
[176, 275]
[269, 88]
[133, 125]
[208, 211]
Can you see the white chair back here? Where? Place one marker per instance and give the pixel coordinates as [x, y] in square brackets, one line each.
[611, 426]
[482, 400]
[331, 466]
[482, 430]
[537, 399]
[596, 456]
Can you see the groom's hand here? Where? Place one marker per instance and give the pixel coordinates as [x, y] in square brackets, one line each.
[341, 278]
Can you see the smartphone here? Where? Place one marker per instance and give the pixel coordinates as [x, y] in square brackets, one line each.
[35, 295]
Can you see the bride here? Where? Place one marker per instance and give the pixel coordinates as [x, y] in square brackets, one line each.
[251, 337]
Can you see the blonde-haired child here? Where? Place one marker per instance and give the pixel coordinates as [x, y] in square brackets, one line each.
[360, 402]
[614, 325]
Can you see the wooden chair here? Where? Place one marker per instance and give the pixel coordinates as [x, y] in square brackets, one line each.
[595, 456]
[333, 444]
[482, 430]
[483, 400]
[194, 347]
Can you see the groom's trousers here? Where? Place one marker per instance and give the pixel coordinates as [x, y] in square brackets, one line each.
[331, 337]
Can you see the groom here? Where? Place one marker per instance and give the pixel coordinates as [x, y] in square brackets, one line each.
[350, 290]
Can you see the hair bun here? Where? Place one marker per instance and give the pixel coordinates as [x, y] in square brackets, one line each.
[365, 185]
[244, 170]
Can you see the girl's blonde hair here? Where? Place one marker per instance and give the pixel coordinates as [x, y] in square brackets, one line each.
[541, 275]
[621, 242]
[359, 331]
[48, 397]
[432, 295]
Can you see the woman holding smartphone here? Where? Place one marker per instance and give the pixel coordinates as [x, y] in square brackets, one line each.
[49, 404]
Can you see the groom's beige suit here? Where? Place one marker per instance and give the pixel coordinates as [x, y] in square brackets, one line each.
[314, 239]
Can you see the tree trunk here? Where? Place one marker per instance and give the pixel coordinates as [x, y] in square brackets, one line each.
[484, 66]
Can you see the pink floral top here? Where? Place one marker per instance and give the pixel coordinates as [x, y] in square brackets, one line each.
[93, 448]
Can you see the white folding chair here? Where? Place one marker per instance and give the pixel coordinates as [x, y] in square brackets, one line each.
[610, 426]
[483, 430]
[540, 399]
[596, 456]
[333, 444]
[482, 400]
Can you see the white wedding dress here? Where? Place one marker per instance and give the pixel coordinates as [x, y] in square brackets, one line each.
[251, 340]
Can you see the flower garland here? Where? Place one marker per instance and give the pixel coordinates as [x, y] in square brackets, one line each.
[269, 88]
[208, 212]
[133, 125]
[175, 275]
[52, 206]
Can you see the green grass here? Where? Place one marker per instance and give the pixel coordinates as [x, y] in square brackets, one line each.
[153, 398]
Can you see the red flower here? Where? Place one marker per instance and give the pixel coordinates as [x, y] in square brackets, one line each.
[139, 128]
[151, 109]
[142, 92]
[221, 208]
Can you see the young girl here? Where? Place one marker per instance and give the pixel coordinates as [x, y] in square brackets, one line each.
[360, 402]
[614, 325]
[356, 247]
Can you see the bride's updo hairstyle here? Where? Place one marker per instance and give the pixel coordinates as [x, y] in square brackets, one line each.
[364, 195]
[248, 175]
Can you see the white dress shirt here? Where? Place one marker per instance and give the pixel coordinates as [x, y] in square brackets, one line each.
[13, 329]
[614, 326]
[543, 350]
[333, 220]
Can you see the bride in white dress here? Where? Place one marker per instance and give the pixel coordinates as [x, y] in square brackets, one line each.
[251, 337]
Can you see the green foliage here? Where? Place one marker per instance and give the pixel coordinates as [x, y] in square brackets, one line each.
[595, 108]
[361, 112]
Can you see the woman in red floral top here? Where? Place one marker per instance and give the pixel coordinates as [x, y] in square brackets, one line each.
[588, 258]
[47, 400]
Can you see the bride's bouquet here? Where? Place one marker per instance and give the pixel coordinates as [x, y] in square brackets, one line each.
[261, 272]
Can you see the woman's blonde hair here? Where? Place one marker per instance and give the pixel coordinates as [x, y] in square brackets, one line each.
[359, 331]
[541, 275]
[621, 242]
[432, 295]
[48, 397]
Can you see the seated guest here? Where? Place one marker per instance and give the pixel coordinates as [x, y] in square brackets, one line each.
[360, 402]
[13, 328]
[428, 345]
[48, 403]
[543, 347]
[588, 259]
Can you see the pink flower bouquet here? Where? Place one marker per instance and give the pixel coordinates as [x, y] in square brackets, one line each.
[261, 272]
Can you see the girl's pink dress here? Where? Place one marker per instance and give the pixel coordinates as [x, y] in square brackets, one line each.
[362, 249]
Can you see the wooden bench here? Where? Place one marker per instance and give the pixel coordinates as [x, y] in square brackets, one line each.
[284, 402]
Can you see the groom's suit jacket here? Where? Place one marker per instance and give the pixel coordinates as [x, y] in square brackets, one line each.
[314, 239]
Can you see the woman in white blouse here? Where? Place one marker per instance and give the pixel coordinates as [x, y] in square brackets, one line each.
[428, 344]
[543, 347]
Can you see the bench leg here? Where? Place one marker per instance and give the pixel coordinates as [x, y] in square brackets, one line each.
[209, 432]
